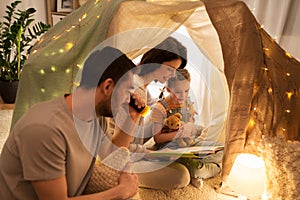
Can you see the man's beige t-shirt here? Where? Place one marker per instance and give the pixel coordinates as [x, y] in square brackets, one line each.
[43, 145]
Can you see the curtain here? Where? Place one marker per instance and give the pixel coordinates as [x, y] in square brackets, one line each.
[280, 18]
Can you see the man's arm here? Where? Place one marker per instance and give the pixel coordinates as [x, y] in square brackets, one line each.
[121, 137]
[57, 189]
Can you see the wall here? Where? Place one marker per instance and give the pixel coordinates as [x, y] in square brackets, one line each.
[39, 5]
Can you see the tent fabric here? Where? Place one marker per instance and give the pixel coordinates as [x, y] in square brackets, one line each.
[262, 79]
[260, 75]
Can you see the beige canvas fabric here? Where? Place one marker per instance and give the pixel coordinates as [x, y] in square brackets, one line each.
[262, 79]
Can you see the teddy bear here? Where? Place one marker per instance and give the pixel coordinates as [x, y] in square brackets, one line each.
[174, 123]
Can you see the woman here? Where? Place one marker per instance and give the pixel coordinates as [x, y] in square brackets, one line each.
[158, 64]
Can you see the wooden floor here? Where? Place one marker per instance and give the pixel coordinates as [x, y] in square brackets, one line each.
[4, 106]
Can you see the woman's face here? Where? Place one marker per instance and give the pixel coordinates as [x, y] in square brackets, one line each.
[167, 70]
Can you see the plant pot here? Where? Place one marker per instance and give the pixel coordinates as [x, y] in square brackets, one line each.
[8, 91]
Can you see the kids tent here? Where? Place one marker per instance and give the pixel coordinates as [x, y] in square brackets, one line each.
[261, 76]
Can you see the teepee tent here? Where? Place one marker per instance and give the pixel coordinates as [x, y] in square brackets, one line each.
[261, 76]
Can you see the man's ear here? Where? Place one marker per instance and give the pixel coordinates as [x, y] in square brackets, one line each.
[107, 86]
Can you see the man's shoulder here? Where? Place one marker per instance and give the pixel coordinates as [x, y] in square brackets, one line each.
[47, 104]
[44, 110]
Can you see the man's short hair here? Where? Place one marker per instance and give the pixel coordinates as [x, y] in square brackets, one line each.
[102, 64]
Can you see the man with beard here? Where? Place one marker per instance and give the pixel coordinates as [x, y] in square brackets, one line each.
[50, 152]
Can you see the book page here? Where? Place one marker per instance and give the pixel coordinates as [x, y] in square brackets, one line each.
[193, 151]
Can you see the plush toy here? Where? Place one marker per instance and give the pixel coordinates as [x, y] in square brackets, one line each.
[174, 123]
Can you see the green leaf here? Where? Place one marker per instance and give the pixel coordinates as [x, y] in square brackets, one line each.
[14, 39]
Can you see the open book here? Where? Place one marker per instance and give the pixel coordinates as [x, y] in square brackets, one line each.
[194, 151]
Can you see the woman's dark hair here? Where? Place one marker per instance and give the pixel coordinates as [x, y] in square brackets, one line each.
[102, 64]
[168, 50]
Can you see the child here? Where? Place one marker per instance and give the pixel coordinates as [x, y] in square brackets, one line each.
[178, 102]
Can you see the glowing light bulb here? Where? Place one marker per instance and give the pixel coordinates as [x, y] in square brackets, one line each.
[288, 54]
[288, 111]
[68, 30]
[68, 71]
[84, 16]
[43, 90]
[55, 37]
[69, 46]
[79, 66]
[288, 74]
[42, 71]
[53, 68]
[289, 94]
[76, 84]
[251, 122]
[270, 90]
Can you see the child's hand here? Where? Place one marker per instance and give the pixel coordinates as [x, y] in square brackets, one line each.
[187, 130]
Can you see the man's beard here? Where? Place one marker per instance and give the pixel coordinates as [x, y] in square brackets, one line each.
[104, 109]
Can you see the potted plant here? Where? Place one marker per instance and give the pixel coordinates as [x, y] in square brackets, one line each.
[16, 36]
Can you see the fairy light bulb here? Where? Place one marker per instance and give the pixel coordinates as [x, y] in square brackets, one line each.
[79, 66]
[69, 46]
[251, 122]
[289, 94]
[265, 69]
[53, 68]
[288, 54]
[76, 84]
[270, 90]
[84, 16]
[68, 71]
